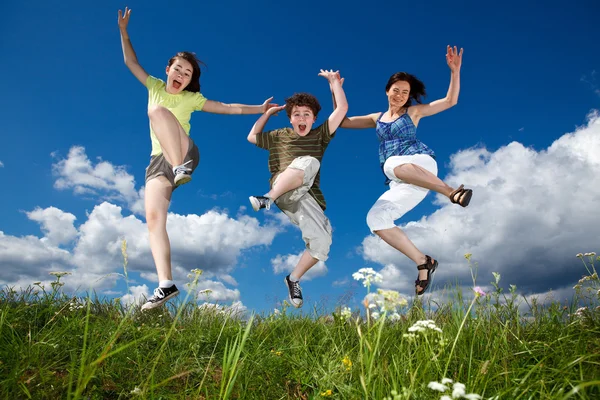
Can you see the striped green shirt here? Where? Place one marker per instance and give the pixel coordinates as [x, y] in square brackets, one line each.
[285, 145]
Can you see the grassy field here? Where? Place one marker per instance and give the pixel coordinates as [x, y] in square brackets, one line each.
[476, 345]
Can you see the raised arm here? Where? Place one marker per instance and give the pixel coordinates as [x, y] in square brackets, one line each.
[339, 99]
[259, 125]
[128, 54]
[359, 122]
[216, 107]
[454, 60]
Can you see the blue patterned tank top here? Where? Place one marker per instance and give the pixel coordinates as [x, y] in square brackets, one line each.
[399, 138]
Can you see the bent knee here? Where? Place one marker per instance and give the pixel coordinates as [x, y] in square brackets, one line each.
[157, 111]
[382, 216]
[319, 247]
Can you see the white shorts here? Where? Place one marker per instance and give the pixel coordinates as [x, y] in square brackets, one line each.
[401, 197]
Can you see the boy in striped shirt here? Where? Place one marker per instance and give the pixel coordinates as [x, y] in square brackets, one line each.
[295, 156]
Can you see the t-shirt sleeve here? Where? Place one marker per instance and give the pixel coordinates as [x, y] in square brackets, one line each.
[265, 140]
[325, 134]
[152, 83]
[199, 101]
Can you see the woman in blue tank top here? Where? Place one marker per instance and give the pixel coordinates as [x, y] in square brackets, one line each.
[407, 163]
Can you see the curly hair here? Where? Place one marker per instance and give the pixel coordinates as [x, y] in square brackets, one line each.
[302, 100]
[417, 88]
[194, 85]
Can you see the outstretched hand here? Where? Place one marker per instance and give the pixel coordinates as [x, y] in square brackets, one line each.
[454, 58]
[274, 109]
[267, 105]
[331, 76]
[124, 18]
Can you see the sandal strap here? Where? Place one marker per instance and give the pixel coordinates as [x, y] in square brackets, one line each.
[428, 264]
[459, 191]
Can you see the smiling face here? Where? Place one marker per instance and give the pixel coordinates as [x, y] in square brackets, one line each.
[398, 94]
[302, 119]
[179, 75]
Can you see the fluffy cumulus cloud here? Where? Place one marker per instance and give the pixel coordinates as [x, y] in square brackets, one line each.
[56, 224]
[286, 264]
[103, 179]
[215, 291]
[1, 164]
[531, 212]
[212, 242]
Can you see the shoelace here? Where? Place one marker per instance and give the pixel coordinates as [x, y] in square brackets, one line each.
[158, 293]
[296, 292]
[267, 203]
[182, 168]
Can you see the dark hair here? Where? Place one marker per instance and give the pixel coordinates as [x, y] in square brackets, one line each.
[302, 100]
[194, 85]
[417, 88]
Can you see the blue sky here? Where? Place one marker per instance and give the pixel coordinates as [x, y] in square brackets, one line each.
[530, 76]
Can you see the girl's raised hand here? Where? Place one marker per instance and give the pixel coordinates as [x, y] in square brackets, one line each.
[124, 19]
[454, 58]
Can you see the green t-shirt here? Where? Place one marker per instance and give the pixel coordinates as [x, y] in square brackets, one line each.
[285, 145]
[182, 105]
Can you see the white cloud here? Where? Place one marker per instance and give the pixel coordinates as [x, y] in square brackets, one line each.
[137, 295]
[56, 224]
[103, 179]
[29, 258]
[1, 164]
[216, 291]
[531, 212]
[287, 263]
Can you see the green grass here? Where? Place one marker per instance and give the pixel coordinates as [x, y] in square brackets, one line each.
[53, 346]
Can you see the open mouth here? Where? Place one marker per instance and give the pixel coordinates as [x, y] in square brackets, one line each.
[176, 84]
[302, 128]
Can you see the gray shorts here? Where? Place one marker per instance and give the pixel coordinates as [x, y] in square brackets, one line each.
[159, 166]
[303, 210]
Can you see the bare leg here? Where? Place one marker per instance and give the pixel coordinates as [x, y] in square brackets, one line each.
[289, 179]
[171, 136]
[158, 197]
[398, 240]
[418, 176]
[306, 262]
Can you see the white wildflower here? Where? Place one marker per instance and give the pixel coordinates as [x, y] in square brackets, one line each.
[472, 396]
[346, 313]
[445, 381]
[437, 386]
[458, 390]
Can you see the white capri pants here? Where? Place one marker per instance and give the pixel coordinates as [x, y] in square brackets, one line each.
[401, 197]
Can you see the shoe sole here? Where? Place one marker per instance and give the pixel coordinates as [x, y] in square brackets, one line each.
[183, 180]
[254, 202]
[290, 297]
[422, 292]
[150, 306]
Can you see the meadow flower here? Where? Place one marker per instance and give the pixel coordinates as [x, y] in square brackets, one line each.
[277, 353]
[346, 313]
[276, 312]
[137, 391]
[496, 277]
[205, 292]
[368, 276]
[437, 386]
[326, 393]
[60, 274]
[478, 291]
[468, 256]
[446, 381]
[347, 363]
[579, 255]
[592, 254]
[458, 390]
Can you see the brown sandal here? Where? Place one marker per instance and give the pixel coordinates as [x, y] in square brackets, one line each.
[464, 196]
[430, 266]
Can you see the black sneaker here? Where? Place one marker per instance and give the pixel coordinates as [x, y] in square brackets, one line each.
[182, 173]
[294, 291]
[161, 295]
[259, 202]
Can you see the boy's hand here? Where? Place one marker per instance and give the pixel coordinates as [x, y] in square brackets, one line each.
[330, 75]
[124, 19]
[267, 105]
[454, 58]
[274, 109]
